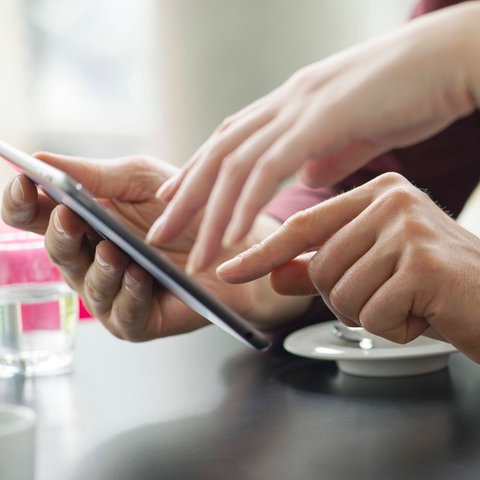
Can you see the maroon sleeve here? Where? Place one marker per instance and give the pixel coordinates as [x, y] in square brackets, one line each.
[427, 6]
[447, 166]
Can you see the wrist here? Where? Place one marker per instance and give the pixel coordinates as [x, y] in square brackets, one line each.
[445, 46]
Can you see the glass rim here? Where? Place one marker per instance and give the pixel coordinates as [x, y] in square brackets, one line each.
[20, 240]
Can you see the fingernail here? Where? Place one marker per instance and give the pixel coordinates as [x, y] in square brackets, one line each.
[101, 261]
[57, 224]
[231, 237]
[16, 191]
[155, 230]
[195, 262]
[130, 281]
[163, 193]
[190, 268]
[229, 241]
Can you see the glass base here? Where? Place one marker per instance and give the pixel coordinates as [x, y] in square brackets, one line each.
[35, 364]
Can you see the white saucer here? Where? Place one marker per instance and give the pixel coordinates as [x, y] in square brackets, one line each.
[388, 359]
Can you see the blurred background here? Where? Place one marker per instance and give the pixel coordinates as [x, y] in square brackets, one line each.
[111, 77]
[114, 77]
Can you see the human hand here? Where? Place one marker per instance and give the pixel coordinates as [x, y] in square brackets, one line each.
[325, 122]
[386, 258]
[116, 291]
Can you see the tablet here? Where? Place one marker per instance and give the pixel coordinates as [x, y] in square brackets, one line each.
[64, 189]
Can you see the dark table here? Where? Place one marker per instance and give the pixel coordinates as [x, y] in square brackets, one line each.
[203, 406]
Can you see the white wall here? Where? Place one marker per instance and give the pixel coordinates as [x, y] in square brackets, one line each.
[13, 81]
[199, 60]
[219, 55]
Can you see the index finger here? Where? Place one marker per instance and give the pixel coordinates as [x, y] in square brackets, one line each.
[304, 231]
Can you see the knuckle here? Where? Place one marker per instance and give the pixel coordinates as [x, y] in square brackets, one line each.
[233, 165]
[58, 260]
[301, 79]
[403, 202]
[20, 216]
[414, 229]
[69, 270]
[298, 229]
[397, 198]
[317, 274]
[396, 192]
[423, 262]
[336, 298]
[299, 221]
[63, 249]
[389, 179]
[97, 296]
[124, 326]
[69, 263]
[372, 325]
[215, 150]
[225, 123]
[129, 325]
[267, 168]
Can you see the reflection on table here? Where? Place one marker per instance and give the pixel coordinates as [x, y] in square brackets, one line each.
[203, 406]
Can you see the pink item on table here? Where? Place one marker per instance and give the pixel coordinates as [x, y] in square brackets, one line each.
[10, 274]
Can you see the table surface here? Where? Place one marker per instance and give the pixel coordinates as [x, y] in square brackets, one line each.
[204, 406]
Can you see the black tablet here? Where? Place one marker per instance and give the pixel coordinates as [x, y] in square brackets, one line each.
[64, 189]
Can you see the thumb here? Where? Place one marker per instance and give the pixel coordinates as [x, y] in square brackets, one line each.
[126, 178]
[292, 278]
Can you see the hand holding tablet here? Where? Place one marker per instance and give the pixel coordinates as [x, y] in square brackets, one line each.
[66, 190]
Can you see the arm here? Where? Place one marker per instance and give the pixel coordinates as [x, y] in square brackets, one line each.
[327, 121]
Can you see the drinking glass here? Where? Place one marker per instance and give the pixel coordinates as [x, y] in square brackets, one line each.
[38, 310]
